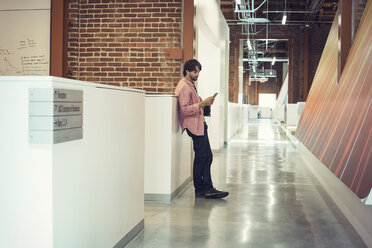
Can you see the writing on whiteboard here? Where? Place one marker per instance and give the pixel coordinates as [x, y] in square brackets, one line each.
[24, 60]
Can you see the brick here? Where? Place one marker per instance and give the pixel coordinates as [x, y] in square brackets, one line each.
[136, 69]
[136, 59]
[152, 69]
[114, 84]
[114, 74]
[144, 15]
[123, 10]
[137, 20]
[101, 6]
[159, 15]
[135, 79]
[152, 40]
[101, 74]
[115, 45]
[144, 45]
[108, 80]
[136, 40]
[100, 35]
[143, 74]
[146, 5]
[122, 42]
[142, 10]
[130, 15]
[115, 54]
[161, 5]
[120, 49]
[106, 40]
[106, 59]
[94, 40]
[152, 20]
[100, 64]
[100, 44]
[135, 30]
[151, 59]
[86, 44]
[144, 35]
[130, 35]
[121, 59]
[143, 64]
[114, 64]
[86, 35]
[86, 54]
[122, 79]
[151, 30]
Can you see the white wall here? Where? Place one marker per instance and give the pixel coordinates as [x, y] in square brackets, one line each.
[240, 72]
[82, 193]
[168, 152]
[234, 118]
[26, 175]
[291, 114]
[300, 109]
[281, 101]
[212, 39]
[238, 115]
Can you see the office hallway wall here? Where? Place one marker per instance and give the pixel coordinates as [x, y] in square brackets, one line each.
[274, 201]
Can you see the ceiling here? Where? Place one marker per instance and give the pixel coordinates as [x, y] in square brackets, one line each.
[258, 17]
[299, 12]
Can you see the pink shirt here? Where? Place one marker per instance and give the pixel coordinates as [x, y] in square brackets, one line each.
[190, 115]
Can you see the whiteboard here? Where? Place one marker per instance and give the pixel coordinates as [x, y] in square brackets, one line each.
[24, 43]
[24, 4]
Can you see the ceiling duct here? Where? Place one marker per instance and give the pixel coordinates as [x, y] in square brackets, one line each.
[262, 73]
[266, 59]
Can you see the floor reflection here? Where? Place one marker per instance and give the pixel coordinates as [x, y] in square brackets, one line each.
[274, 201]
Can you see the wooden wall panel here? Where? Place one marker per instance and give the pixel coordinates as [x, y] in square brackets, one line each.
[336, 122]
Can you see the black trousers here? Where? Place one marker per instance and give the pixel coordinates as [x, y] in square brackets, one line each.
[203, 160]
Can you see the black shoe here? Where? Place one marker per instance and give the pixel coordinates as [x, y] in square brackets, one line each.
[215, 194]
[199, 194]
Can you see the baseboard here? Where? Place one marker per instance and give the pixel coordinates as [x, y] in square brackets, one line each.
[168, 197]
[357, 213]
[291, 137]
[131, 235]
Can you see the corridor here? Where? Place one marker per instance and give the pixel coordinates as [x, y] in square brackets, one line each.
[274, 201]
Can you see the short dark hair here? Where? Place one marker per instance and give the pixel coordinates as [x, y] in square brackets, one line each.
[191, 65]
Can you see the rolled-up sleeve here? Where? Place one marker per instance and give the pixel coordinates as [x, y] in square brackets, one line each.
[185, 102]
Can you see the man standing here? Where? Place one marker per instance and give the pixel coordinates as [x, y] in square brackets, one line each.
[190, 108]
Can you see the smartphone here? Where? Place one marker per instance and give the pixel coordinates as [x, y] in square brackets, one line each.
[215, 94]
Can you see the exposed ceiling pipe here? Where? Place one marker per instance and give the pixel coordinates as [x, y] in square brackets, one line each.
[289, 11]
[238, 10]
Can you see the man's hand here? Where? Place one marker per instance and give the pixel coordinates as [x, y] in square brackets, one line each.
[207, 102]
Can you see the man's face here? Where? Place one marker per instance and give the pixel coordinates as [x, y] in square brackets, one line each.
[194, 74]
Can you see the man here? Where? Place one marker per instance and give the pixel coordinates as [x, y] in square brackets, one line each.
[190, 107]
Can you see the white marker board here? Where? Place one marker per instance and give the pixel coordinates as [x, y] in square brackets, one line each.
[24, 42]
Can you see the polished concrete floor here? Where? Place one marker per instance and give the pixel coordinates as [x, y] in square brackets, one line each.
[274, 202]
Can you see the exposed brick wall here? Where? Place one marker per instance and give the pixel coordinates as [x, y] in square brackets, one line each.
[123, 42]
[233, 32]
[318, 36]
[250, 98]
[268, 86]
[359, 6]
